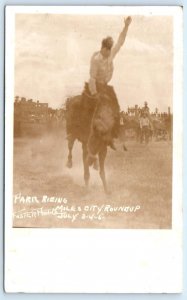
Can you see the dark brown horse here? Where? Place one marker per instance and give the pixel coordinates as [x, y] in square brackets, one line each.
[91, 122]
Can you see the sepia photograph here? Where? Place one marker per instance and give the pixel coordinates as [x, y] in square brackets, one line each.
[93, 115]
[93, 149]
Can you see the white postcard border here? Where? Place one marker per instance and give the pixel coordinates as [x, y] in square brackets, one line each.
[94, 260]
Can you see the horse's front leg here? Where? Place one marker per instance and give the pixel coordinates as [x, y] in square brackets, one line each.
[71, 141]
[102, 156]
[86, 165]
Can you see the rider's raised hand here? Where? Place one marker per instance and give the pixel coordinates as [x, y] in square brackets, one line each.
[127, 21]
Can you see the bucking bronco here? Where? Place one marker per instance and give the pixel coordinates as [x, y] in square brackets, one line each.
[93, 117]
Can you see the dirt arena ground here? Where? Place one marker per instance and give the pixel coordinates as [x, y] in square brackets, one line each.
[140, 181]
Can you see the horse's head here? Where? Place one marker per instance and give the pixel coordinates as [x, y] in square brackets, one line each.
[105, 116]
[103, 123]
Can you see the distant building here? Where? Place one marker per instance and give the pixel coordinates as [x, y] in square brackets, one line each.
[24, 109]
[134, 111]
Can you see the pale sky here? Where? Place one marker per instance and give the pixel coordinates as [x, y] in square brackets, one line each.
[52, 57]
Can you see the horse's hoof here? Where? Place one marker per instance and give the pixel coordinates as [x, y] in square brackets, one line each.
[69, 164]
[96, 165]
[112, 146]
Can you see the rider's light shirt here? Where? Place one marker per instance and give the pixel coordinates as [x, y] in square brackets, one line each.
[101, 69]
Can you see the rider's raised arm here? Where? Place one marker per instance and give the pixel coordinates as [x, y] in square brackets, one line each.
[121, 38]
[93, 74]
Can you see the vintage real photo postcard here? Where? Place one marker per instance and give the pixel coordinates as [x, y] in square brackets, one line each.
[93, 148]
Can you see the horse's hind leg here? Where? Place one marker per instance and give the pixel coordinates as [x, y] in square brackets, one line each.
[71, 141]
[86, 166]
[102, 156]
